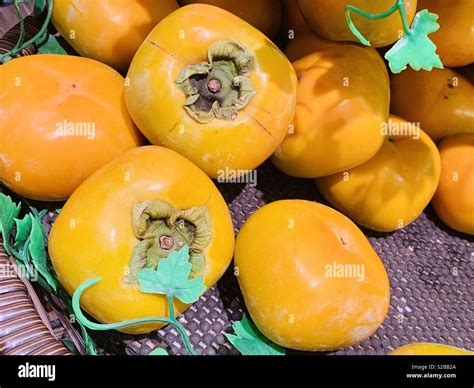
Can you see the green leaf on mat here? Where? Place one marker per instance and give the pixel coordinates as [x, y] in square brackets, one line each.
[416, 49]
[23, 230]
[249, 341]
[51, 46]
[8, 212]
[40, 6]
[37, 252]
[172, 278]
[158, 352]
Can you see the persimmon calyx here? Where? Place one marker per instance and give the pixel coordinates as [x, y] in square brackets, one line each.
[161, 229]
[219, 88]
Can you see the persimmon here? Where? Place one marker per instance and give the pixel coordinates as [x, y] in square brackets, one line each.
[213, 88]
[440, 100]
[343, 100]
[390, 190]
[309, 43]
[429, 349]
[62, 117]
[265, 15]
[128, 216]
[455, 37]
[454, 198]
[327, 19]
[309, 277]
[109, 31]
[293, 23]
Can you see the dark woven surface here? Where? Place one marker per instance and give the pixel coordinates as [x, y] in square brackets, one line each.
[430, 269]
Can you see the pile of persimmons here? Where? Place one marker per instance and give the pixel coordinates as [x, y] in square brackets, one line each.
[217, 89]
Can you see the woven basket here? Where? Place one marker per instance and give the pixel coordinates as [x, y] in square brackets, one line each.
[430, 269]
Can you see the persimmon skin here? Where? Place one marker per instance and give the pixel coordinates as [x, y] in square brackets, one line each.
[429, 349]
[109, 31]
[390, 190]
[456, 33]
[309, 43]
[440, 100]
[281, 254]
[39, 94]
[293, 20]
[156, 103]
[343, 100]
[265, 15]
[327, 19]
[454, 198]
[93, 235]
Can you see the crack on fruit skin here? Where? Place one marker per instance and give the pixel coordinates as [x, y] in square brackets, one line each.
[164, 50]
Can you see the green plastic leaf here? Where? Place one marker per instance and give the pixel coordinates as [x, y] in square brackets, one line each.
[23, 230]
[250, 342]
[52, 46]
[40, 6]
[416, 49]
[38, 252]
[158, 352]
[172, 278]
[8, 212]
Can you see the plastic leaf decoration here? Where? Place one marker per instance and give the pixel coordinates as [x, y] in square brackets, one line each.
[158, 352]
[416, 49]
[37, 252]
[171, 278]
[51, 46]
[8, 212]
[249, 341]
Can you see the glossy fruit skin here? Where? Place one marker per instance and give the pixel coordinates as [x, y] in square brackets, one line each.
[281, 253]
[156, 103]
[454, 198]
[109, 31]
[343, 99]
[101, 241]
[265, 15]
[309, 43]
[293, 20]
[429, 349]
[456, 20]
[327, 19]
[440, 100]
[41, 93]
[390, 190]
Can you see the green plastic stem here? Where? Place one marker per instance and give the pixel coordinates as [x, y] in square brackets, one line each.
[17, 6]
[114, 326]
[35, 39]
[398, 6]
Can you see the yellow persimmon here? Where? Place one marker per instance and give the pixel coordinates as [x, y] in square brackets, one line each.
[61, 118]
[327, 19]
[390, 190]
[440, 100]
[105, 224]
[429, 349]
[454, 198]
[109, 31]
[213, 88]
[309, 277]
[343, 100]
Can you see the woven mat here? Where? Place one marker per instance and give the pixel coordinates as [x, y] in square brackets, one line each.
[430, 269]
